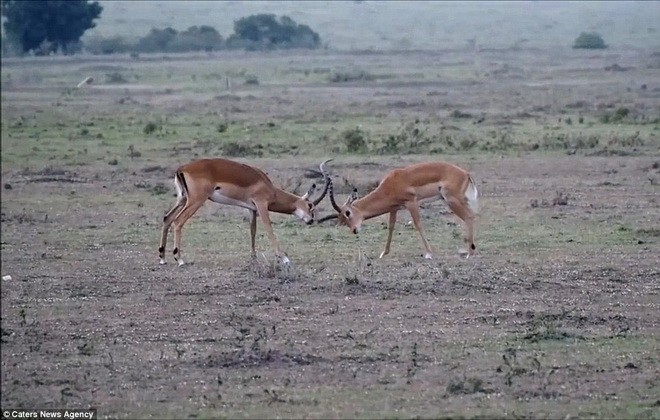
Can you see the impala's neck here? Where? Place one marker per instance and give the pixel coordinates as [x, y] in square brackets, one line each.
[283, 202]
[374, 204]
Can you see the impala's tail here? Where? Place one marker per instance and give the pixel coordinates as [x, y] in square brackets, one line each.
[472, 196]
[181, 198]
[171, 215]
[181, 187]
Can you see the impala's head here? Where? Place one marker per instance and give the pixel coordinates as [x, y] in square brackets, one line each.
[305, 207]
[347, 214]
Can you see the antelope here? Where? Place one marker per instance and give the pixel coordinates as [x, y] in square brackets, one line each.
[233, 183]
[407, 188]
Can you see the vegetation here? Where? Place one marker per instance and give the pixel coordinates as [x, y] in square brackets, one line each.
[355, 140]
[266, 32]
[48, 26]
[195, 38]
[256, 32]
[348, 25]
[589, 40]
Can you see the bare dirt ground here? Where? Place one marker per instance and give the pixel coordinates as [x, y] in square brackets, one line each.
[556, 317]
[557, 330]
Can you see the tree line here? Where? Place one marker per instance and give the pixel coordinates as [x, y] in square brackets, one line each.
[51, 26]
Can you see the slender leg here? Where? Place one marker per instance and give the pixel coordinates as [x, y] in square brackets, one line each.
[414, 212]
[262, 209]
[253, 232]
[167, 222]
[467, 216]
[390, 227]
[192, 205]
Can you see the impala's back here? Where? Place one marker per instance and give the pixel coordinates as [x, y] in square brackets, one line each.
[427, 180]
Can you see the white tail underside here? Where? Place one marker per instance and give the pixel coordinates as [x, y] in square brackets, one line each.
[472, 196]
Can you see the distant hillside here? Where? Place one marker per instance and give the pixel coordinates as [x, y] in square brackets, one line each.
[407, 24]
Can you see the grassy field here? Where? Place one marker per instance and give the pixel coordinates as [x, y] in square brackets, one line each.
[556, 317]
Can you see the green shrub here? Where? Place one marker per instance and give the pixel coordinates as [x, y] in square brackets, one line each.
[159, 189]
[256, 32]
[460, 114]
[411, 138]
[267, 32]
[355, 140]
[156, 40]
[589, 40]
[202, 38]
[235, 149]
[349, 76]
[251, 80]
[115, 77]
[150, 127]
[619, 115]
[112, 45]
[393, 142]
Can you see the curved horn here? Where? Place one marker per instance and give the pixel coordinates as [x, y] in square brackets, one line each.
[328, 217]
[326, 177]
[332, 197]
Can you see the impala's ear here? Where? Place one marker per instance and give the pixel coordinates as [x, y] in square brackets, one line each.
[309, 192]
[352, 197]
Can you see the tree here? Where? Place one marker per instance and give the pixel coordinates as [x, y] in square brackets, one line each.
[589, 40]
[48, 25]
[157, 40]
[202, 38]
[265, 31]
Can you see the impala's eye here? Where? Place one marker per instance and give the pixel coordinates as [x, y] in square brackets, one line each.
[310, 205]
[348, 213]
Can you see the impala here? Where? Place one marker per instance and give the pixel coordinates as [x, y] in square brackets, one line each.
[406, 188]
[236, 184]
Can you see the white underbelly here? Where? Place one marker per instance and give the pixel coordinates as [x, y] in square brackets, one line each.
[218, 197]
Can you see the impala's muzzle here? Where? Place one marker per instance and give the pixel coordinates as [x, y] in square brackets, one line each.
[304, 216]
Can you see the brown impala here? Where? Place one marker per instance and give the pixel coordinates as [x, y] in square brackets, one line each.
[236, 184]
[406, 188]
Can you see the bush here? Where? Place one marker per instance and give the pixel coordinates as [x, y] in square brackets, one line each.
[150, 128]
[355, 140]
[156, 40]
[350, 76]
[256, 32]
[411, 138]
[619, 115]
[266, 32]
[234, 149]
[591, 40]
[112, 45]
[115, 77]
[251, 80]
[202, 38]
